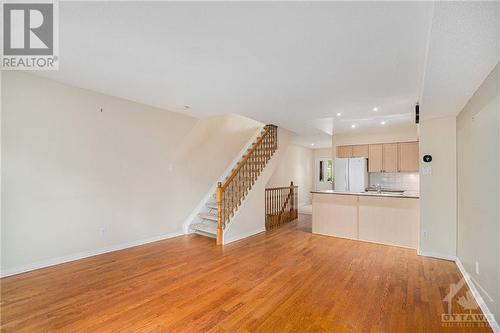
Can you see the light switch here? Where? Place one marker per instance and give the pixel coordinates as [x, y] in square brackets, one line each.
[426, 170]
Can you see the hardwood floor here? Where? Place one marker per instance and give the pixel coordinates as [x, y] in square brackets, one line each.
[285, 280]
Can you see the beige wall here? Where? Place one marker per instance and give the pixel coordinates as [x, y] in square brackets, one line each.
[438, 190]
[77, 180]
[478, 156]
[295, 165]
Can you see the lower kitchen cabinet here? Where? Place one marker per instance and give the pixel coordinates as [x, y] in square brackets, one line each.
[392, 221]
[384, 220]
[343, 223]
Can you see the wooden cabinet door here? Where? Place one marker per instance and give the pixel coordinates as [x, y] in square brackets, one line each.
[360, 151]
[375, 159]
[390, 157]
[344, 151]
[408, 156]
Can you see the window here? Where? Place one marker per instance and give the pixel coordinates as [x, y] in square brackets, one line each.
[321, 170]
[329, 171]
[325, 170]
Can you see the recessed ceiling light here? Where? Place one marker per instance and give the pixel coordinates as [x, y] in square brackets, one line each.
[312, 144]
[382, 122]
[339, 114]
[353, 126]
[375, 109]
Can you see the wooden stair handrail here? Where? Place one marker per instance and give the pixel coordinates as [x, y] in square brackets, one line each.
[280, 188]
[237, 188]
[247, 156]
[281, 205]
[287, 200]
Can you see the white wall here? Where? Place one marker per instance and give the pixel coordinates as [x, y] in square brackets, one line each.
[317, 154]
[77, 181]
[322, 153]
[438, 230]
[295, 165]
[478, 156]
[1, 164]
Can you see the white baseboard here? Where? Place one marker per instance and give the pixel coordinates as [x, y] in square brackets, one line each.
[437, 255]
[85, 254]
[245, 235]
[479, 299]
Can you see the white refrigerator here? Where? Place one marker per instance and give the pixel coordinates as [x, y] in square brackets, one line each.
[351, 174]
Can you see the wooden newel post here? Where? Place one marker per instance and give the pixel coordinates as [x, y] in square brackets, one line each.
[292, 198]
[218, 198]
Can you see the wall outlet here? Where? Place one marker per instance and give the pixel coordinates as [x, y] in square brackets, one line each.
[102, 231]
[425, 234]
[477, 267]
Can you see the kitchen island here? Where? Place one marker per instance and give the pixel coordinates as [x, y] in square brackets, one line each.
[386, 218]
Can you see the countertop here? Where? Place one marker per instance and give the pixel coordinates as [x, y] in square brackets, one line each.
[412, 195]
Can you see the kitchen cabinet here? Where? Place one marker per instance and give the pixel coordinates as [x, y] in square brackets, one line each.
[385, 157]
[344, 151]
[335, 215]
[392, 221]
[375, 158]
[408, 156]
[384, 220]
[390, 157]
[360, 151]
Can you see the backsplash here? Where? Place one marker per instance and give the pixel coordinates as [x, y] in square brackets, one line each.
[408, 181]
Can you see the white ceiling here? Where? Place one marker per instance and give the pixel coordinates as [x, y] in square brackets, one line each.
[464, 46]
[293, 64]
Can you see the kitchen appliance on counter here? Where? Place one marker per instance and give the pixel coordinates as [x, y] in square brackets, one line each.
[351, 174]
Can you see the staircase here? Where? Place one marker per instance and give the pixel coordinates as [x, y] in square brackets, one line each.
[230, 194]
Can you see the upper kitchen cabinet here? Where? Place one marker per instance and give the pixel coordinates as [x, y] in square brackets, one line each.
[344, 151]
[390, 157]
[408, 156]
[375, 158]
[360, 151]
[385, 157]
[352, 151]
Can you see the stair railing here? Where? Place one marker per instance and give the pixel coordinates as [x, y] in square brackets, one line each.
[230, 194]
[281, 205]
